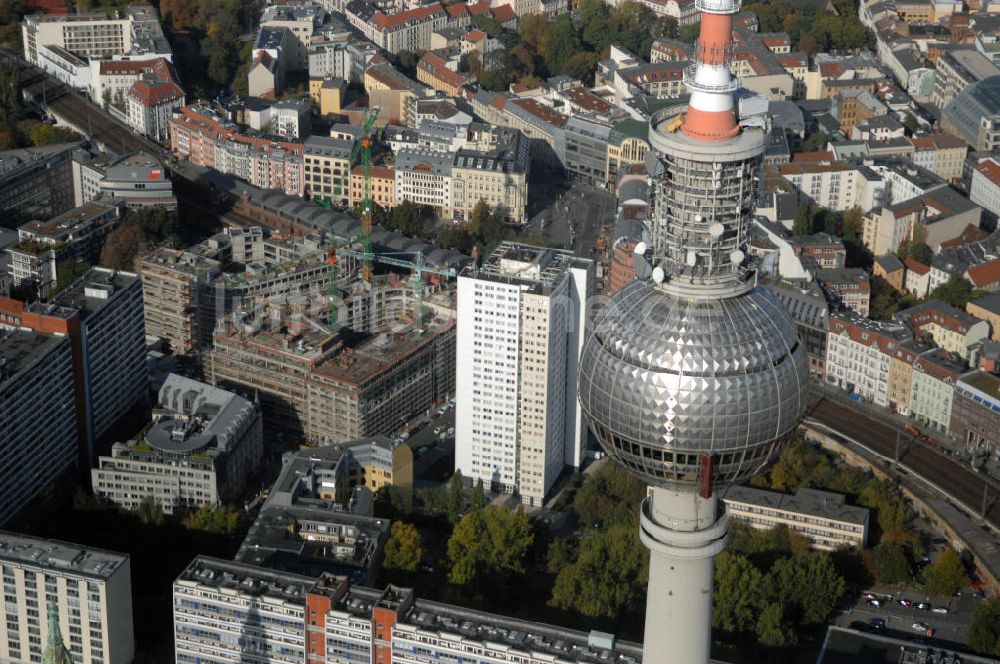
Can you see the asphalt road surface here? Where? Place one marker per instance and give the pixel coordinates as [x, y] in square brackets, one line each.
[951, 630]
[957, 480]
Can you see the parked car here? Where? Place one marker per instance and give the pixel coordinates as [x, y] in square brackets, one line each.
[923, 606]
[905, 602]
[875, 602]
[437, 430]
[939, 609]
[877, 623]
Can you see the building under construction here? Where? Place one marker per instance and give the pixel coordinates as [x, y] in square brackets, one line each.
[329, 386]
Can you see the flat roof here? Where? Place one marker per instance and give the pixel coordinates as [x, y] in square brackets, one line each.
[59, 556]
[19, 350]
[812, 502]
[849, 646]
[88, 294]
[540, 268]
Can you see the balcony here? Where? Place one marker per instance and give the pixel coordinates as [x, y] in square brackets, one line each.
[717, 6]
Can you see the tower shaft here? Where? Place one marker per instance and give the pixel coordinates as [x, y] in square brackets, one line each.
[683, 532]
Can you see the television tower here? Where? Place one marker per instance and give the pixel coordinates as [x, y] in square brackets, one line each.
[693, 376]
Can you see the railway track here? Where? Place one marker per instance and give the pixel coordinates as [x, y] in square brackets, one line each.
[957, 480]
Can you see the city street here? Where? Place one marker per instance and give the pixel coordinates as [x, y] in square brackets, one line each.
[574, 219]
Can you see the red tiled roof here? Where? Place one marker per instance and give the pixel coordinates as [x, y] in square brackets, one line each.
[541, 111]
[475, 35]
[991, 170]
[831, 70]
[385, 22]
[504, 13]
[456, 10]
[972, 233]
[818, 155]
[479, 9]
[913, 265]
[153, 93]
[437, 68]
[985, 274]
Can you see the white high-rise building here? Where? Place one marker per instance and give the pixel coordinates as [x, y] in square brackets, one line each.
[91, 591]
[521, 318]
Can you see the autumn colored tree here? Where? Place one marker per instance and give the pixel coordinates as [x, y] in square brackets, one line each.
[405, 547]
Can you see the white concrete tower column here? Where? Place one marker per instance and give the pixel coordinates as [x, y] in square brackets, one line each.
[684, 532]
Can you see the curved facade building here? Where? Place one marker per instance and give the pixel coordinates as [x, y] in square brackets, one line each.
[694, 377]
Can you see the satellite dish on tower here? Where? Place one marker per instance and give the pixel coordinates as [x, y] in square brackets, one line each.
[641, 267]
[658, 274]
[692, 259]
[737, 257]
[716, 230]
[640, 249]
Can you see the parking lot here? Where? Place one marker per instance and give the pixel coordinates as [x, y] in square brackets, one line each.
[950, 629]
[432, 439]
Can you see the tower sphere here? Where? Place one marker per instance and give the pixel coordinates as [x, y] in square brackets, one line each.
[666, 379]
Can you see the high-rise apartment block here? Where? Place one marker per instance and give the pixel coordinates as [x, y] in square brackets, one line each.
[91, 591]
[112, 342]
[202, 446]
[231, 612]
[172, 282]
[521, 317]
[38, 423]
[101, 314]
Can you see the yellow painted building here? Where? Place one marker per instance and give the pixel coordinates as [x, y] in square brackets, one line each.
[383, 186]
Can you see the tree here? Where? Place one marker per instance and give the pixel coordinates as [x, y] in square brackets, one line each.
[771, 628]
[488, 545]
[560, 554]
[984, 633]
[737, 598]
[892, 563]
[456, 498]
[956, 291]
[665, 26]
[911, 124]
[809, 585]
[150, 511]
[405, 547]
[816, 141]
[408, 62]
[220, 520]
[581, 66]
[69, 271]
[608, 576]
[390, 503]
[803, 224]
[478, 500]
[946, 575]
[689, 33]
[122, 246]
[563, 44]
[607, 497]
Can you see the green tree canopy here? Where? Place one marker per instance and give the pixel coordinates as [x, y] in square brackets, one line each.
[957, 292]
[892, 563]
[405, 547]
[456, 497]
[984, 632]
[489, 544]
[150, 511]
[220, 520]
[611, 495]
[69, 271]
[608, 576]
[810, 585]
[772, 630]
[946, 575]
[738, 593]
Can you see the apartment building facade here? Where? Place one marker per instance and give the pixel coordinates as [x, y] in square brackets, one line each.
[820, 516]
[521, 318]
[89, 589]
[38, 413]
[172, 282]
[327, 169]
[201, 447]
[224, 611]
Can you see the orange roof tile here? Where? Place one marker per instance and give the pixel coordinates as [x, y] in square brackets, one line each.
[985, 274]
[913, 265]
[991, 170]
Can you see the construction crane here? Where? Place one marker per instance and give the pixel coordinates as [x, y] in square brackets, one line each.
[363, 148]
[333, 287]
[416, 266]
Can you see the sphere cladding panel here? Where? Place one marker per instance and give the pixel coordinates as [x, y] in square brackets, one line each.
[665, 379]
